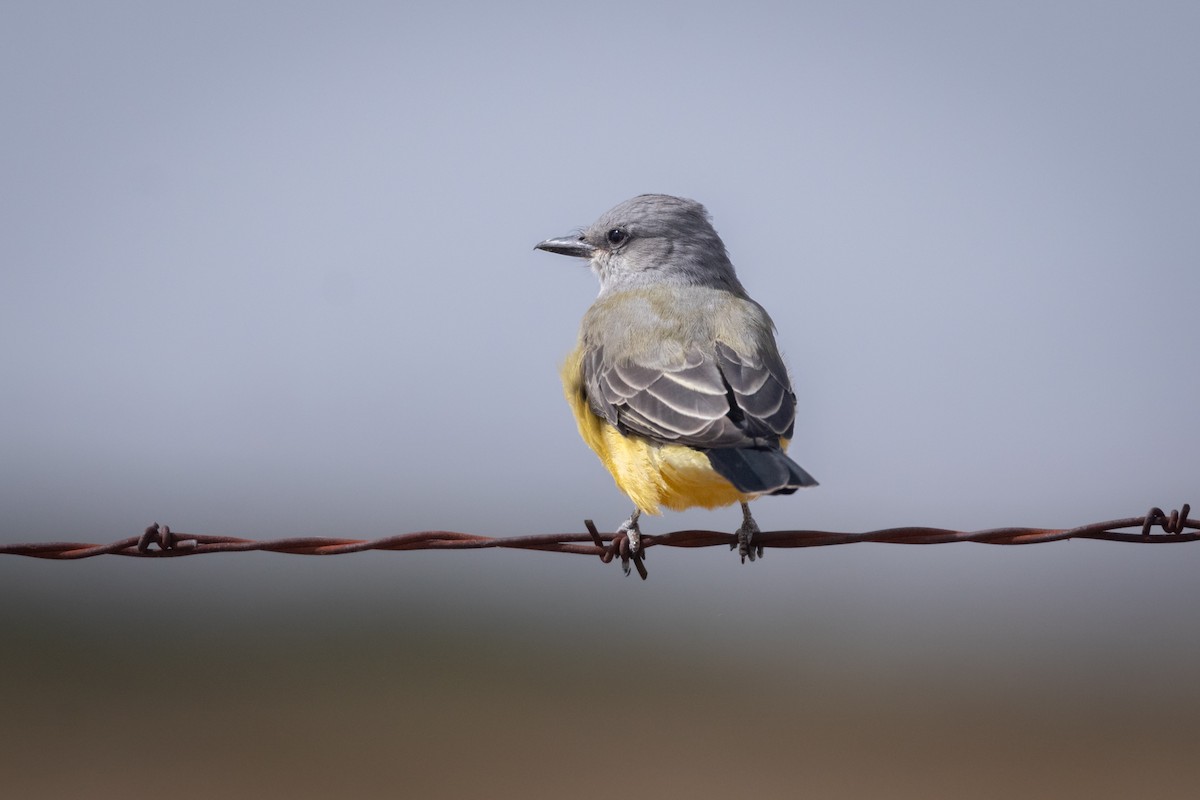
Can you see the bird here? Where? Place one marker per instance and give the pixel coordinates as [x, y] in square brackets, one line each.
[676, 380]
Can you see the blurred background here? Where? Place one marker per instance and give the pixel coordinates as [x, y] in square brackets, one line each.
[266, 270]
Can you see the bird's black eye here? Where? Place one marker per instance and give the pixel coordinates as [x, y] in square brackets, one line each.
[616, 236]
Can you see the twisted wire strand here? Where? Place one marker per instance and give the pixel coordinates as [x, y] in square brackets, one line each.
[159, 541]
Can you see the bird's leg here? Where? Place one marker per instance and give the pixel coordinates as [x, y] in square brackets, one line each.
[631, 547]
[745, 536]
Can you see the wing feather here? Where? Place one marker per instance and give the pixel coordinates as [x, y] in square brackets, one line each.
[707, 400]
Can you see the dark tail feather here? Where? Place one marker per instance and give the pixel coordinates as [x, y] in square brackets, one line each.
[759, 471]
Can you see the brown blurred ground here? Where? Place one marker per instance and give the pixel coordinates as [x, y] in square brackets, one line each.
[276, 707]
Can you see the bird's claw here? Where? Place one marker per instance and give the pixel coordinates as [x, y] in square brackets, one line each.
[627, 543]
[745, 537]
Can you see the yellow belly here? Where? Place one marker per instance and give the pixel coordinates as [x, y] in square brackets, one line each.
[653, 475]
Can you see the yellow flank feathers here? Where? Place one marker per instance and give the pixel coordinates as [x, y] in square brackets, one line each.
[652, 474]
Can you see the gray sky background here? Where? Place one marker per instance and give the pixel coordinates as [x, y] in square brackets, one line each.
[270, 267]
[267, 270]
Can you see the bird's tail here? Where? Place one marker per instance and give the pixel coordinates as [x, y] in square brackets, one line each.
[759, 470]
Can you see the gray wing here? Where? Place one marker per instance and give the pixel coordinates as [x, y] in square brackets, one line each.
[723, 399]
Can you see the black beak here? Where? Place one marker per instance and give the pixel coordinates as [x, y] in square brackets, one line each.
[575, 246]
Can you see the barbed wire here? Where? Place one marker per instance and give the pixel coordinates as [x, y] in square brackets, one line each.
[159, 541]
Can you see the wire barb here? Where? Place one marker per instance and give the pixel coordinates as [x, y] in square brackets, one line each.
[1174, 523]
[159, 541]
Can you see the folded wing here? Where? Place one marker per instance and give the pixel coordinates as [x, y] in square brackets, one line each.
[735, 407]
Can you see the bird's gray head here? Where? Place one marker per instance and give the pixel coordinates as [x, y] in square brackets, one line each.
[652, 239]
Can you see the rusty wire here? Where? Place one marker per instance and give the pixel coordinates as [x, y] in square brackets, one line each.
[159, 541]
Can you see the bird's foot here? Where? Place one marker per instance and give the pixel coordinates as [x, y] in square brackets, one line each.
[745, 537]
[625, 543]
[632, 533]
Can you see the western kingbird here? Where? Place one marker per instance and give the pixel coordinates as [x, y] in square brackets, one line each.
[676, 381]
